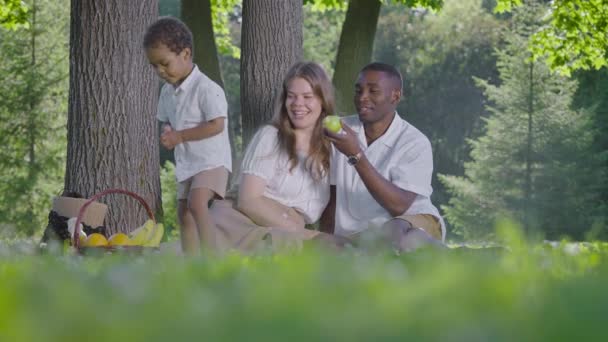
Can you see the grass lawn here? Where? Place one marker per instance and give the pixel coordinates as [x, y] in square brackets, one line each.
[522, 293]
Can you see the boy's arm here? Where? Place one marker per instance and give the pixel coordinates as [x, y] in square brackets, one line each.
[264, 211]
[204, 130]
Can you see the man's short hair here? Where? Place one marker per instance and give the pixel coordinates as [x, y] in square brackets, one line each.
[171, 32]
[388, 69]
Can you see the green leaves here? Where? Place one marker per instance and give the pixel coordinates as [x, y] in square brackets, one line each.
[221, 11]
[431, 4]
[325, 5]
[522, 292]
[574, 35]
[534, 150]
[13, 14]
[32, 117]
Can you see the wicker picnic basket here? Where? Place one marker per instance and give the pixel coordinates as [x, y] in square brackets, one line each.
[109, 249]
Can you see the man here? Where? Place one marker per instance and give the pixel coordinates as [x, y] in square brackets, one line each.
[381, 170]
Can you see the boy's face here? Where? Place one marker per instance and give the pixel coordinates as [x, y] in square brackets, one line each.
[170, 66]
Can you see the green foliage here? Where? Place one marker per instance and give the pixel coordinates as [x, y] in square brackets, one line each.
[169, 199]
[326, 5]
[528, 293]
[321, 35]
[222, 11]
[506, 5]
[13, 14]
[575, 34]
[431, 4]
[438, 54]
[532, 134]
[342, 5]
[32, 116]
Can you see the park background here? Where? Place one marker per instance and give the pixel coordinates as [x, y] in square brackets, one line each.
[511, 138]
[520, 161]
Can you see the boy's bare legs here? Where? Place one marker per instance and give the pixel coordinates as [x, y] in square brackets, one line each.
[198, 205]
[188, 231]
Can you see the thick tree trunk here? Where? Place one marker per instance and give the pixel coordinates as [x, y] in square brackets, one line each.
[197, 15]
[355, 49]
[271, 41]
[112, 131]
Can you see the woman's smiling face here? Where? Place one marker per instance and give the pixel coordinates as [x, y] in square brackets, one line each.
[303, 105]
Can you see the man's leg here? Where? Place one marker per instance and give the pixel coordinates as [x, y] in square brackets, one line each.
[410, 232]
[331, 241]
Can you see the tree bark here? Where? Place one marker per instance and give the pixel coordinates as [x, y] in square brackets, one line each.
[271, 41]
[355, 49]
[197, 15]
[112, 131]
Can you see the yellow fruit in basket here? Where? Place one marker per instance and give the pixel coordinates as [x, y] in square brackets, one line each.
[95, 240]
[153, 239]
[119, 239]
[140, 235]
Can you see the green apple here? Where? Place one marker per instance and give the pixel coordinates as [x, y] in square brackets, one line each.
[332, 123]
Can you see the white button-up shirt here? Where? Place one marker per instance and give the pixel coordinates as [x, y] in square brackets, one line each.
[197, 99]
[403, 156]
[295, 188]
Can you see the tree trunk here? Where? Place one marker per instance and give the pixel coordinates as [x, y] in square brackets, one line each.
[271, 41]
[112, 131]
[197, 15]
[355, 49]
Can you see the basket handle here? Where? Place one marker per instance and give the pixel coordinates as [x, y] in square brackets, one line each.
[76, 240]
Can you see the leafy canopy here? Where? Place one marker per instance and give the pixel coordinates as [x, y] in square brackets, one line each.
[323, 5]
[574, 35]
[13, 14]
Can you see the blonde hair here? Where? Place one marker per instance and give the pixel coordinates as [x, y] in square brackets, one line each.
[317, 162]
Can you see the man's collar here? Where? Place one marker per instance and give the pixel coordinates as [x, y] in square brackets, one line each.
[389, 138]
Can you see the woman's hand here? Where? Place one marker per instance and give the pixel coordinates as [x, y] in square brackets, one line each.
[262, 210]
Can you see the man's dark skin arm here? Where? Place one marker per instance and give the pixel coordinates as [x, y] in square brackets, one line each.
[327, 221]
[392, 198]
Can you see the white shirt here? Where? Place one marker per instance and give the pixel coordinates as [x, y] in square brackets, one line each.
[295, 188]
[197, 99]
[403, 156]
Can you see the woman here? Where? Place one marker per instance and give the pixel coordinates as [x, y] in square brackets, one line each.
[284, 174]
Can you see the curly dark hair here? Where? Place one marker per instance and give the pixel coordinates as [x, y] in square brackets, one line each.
[171, 32]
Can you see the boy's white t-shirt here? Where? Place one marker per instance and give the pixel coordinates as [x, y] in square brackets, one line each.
[296, 188]
[403, 156]
[197, 99]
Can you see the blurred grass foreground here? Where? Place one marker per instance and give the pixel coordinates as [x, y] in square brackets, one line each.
[522, 292]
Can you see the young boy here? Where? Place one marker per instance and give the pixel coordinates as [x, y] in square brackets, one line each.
[193, 112]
